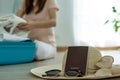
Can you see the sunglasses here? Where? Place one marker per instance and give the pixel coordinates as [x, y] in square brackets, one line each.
[54, 72]
[73, 73]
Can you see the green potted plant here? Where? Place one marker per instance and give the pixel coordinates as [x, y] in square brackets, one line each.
[116, 20]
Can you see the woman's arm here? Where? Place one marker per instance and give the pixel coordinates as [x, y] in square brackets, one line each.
[20, 13]
[21, 10]
[41, 24]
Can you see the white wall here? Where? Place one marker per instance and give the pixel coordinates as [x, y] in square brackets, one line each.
[6, 6]
[64, 29]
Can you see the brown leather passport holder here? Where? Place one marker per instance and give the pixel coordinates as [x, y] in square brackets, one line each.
[76, 60]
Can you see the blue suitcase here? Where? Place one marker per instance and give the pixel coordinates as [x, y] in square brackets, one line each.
[16, 52]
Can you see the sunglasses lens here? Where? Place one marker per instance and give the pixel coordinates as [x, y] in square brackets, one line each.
[73, 73]
[54, 72]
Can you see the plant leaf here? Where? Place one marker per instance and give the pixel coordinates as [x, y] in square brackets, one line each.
[106, 22]
[114, 9]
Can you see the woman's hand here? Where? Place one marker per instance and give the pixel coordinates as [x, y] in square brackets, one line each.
[25, 26]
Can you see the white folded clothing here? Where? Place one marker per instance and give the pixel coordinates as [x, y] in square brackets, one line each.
[11, 21]
[9, 37]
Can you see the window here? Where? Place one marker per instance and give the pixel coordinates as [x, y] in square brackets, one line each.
[89, 19]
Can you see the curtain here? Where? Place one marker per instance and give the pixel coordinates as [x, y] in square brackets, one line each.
[89, 19]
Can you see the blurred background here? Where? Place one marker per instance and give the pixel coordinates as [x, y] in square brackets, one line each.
[80, 22]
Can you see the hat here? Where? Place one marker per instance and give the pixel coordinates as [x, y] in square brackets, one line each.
[53, 71]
